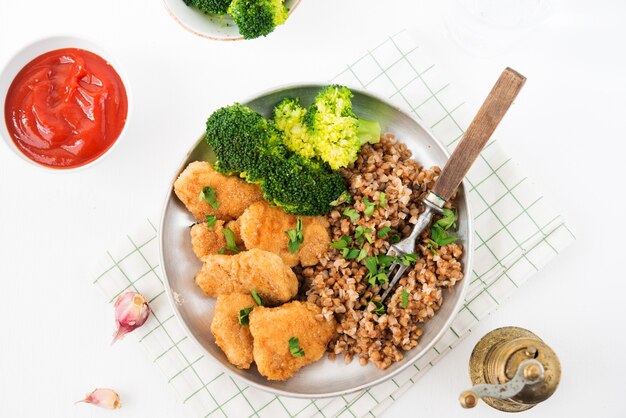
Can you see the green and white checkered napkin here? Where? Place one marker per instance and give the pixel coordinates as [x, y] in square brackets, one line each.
[517, 233]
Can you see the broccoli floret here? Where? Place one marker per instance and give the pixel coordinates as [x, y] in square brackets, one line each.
[218, 7]
[302, 187]
[336, 132]
[236, 134]
[257, 17]
[289, 119]
[247, 144]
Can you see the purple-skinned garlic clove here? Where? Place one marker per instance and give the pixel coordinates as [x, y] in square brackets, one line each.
[104, 398]
[131, 312]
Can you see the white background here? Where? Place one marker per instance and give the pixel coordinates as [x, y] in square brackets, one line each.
[567, 132]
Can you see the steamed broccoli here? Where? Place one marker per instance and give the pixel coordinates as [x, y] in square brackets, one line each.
[236, 134]
[257, 17]
[218, 7]
[328, 129]
[245, 143]
[289, 119]
[302, 187]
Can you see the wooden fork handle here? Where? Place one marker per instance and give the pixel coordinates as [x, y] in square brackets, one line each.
[478, 133]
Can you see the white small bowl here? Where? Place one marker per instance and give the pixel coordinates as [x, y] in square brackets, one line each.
[218, 28]
[32, 51]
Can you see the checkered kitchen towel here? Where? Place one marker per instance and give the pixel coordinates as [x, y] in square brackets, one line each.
[517, 233]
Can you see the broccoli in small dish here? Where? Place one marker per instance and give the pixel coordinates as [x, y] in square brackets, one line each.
[254, 18]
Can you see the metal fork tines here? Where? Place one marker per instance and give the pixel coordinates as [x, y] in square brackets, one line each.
[432, 205]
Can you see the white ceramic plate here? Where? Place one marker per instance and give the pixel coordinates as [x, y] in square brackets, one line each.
[324, 378]
[219, 28]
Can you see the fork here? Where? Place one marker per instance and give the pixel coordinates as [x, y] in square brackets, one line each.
[474, 140]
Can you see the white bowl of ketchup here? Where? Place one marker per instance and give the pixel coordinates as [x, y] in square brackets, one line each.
[64, 103]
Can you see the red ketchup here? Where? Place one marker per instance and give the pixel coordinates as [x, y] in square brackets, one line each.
[66, 108]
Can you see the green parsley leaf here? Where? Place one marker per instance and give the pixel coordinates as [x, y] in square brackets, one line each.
[407, 259]
[231, 245]
[379, 308]
[382, 199]
[385, 260]
[208, 195]
[341, 243]
[361, 234]
[430, 247]
[294, 347]
[440, 237]
[243, 315]
[350, 253]
[210, 220]
[369, 207]
[296, 236]
[372, 264]
[256, 297]
[352, 214]
[405, 299]
[381, 278]
[448, 220]
[382, 233]
[395, 238]
[362, 254]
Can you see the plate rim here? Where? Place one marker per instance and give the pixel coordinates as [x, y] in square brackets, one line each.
[468, 270]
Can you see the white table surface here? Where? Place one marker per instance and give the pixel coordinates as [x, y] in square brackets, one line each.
[567, 131]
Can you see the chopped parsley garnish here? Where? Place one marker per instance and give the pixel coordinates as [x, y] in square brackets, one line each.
[440, 237]
[350, 253]
[352, 214]
[296, 236]
[385, 260]
[231, 245]
[361, 234]
[210, 220]
[379, 308]
[376, 274]
[405, 299]
[382, 233]
[256, 297]
[382, 199]
[407, 259]
[438, 234]
[341, 243]
[369, 207]
[362, 254]
[243, 315]
[208, 195]
[294, 347]
[448, 220]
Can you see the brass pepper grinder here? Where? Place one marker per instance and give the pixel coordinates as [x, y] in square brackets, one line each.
[512, 370]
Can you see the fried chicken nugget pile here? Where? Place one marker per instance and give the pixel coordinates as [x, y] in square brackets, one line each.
[263, 226]
[233, 194]
[255, 269]
[272, 328]
[234, 339]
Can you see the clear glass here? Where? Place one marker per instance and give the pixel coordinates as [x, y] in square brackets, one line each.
[490, 27]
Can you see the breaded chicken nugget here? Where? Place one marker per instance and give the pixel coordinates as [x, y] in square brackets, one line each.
[256, 269]
[233, 338]
[233, 194]
[272, 328]
[263, 226]
[209, 240]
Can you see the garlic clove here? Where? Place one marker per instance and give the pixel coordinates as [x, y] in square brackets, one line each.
[131, 312]
[104, 398]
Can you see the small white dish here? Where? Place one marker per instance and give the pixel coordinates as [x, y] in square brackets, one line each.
[218, 28]
[32, 51]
